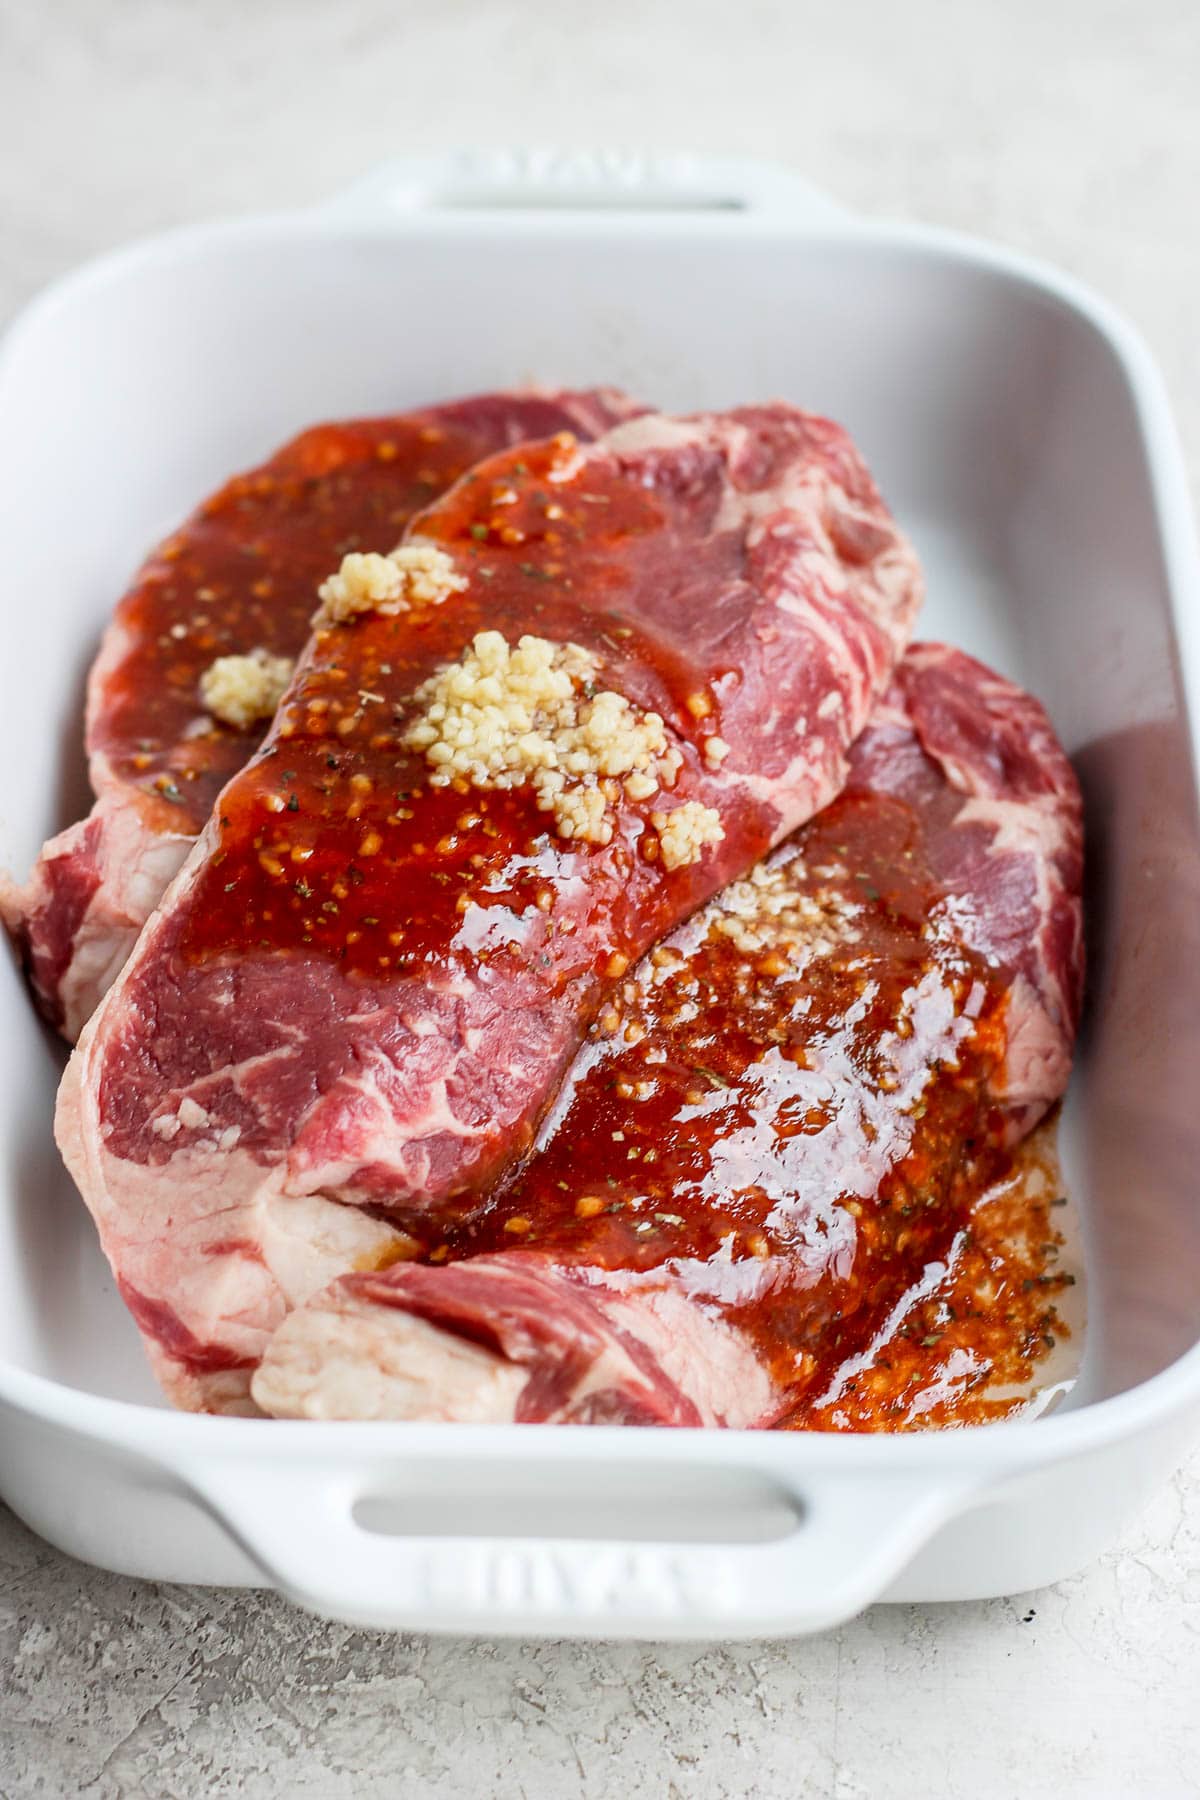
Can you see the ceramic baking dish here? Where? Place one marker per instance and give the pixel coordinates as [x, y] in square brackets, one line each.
[1021, 433]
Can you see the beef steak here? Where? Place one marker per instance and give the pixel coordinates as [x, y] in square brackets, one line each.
[782, 1122]
[239, 576]
[600, 683]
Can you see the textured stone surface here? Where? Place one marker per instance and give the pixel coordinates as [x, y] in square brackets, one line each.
[112, 1688]
[1069, 129]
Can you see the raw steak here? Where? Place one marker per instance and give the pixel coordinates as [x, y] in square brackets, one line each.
[782, 1124]
[240, 575]
[365, 987]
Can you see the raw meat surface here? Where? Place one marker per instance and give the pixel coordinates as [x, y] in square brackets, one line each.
[364, 988]
[240, 575]
[781, 1123]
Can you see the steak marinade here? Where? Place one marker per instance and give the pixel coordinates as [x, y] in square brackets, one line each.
[238, 577]
[369, 978]
[781, 1121]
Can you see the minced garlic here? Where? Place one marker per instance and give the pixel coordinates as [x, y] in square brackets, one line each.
[241, 690]
[765, 911]
[368, 582]
[501, 717]
[684, 832]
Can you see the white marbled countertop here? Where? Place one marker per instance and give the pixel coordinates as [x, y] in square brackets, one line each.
[1067, 127]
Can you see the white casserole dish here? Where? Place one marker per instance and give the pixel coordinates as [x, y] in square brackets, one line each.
[1021, 433]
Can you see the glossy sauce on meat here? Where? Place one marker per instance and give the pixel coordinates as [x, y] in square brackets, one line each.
[243, 574]
[363, 990]
[338, 842]
[794, 1129]
[234, 585]
[988, 1331]
[761, 1197]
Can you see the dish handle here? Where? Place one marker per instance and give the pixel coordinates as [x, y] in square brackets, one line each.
[849, 1539]
[554, 184]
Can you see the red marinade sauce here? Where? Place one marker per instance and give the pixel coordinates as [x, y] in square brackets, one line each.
[243, 573]
[968, 1343]
[759, 1120]
[333, 841]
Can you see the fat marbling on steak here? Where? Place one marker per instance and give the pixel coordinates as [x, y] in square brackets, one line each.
[597, 684]
[780, 1127]
[239, 576]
